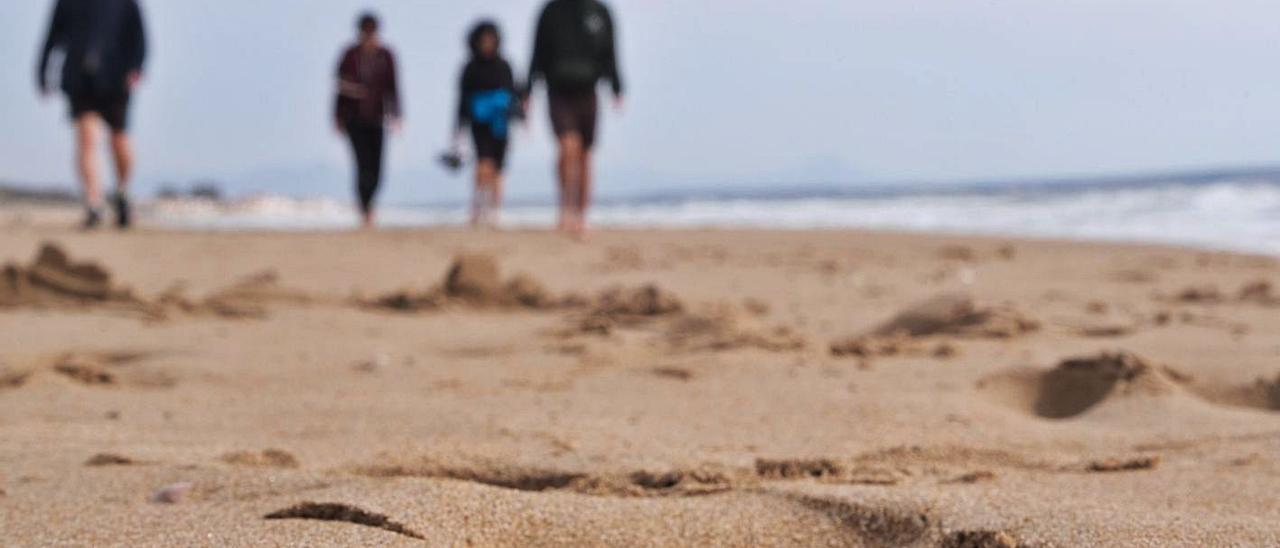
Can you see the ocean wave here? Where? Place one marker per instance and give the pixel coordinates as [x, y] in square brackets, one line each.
[1232, 215]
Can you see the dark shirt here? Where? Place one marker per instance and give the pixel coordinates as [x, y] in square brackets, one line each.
[368, 93]
[482, 74]
[575, 47]
[103, 41]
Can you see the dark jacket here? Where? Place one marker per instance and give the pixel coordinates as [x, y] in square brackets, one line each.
[575, 47]
[103, 41]
[368, 92]
[480, 75]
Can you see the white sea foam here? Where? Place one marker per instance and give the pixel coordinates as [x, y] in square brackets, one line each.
[1242, 216]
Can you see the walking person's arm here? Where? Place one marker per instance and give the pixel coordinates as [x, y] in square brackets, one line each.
[538, 63]
[611, 70]
[347, 89]
[395, 111]
[52, 41]
[137, 38]
[462, 118]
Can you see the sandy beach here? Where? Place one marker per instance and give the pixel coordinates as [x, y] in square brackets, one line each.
[649, 388]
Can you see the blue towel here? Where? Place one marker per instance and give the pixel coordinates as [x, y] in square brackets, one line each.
[493, 109]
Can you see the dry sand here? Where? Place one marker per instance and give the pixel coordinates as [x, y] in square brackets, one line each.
[649, 388]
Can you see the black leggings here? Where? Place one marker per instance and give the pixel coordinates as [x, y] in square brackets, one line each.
[366, 142]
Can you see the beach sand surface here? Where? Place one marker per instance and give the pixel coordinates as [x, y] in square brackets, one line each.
[655, 388]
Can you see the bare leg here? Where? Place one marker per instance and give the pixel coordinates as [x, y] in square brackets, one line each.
[486, 188]
[570, 179]
[495, 197]
[86, 160]
[584, 194]
[122, 149]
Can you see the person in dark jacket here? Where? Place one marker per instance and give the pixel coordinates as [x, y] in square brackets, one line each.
[368, 99]
[575, 47]
[487, 101]
[104, 46]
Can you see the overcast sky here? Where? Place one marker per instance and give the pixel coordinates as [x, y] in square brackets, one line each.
[722, 92]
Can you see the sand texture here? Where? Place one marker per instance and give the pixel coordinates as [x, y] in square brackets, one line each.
[699, 388]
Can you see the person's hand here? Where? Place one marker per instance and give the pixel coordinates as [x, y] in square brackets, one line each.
[397, 125]
[619, 103]
[340, 127]
[132, 80]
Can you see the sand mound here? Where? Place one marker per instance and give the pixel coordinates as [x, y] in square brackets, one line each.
[646, 301]
[670, 483]
[270, 458]
[954, 315]
[54, 278]
[1079, 385]
[1261, 292]
[343, 512]
[471, 281]
[724, 330]
[473, 278]
[959, 315]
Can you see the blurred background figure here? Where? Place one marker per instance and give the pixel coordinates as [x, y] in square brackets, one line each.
[487, 102]
[368, 100]
[103, 45]
[574, 48]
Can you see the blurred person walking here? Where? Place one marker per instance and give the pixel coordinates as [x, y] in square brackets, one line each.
[487, 101]
[368, 100]
[575, 47]
[103, 45]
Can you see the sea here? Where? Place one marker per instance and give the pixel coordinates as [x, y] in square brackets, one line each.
[1227, 210]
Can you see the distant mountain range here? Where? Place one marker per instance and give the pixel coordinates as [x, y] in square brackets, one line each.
[25, 194]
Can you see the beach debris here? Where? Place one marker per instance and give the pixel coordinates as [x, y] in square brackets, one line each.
[109, 459]
[378, 362]
[343, 512]
[1123, 465]
[675, 373]
[174, 493]
[979, 476]
[980, 539]
[83, 369]
[1204, 294]
[268, 458]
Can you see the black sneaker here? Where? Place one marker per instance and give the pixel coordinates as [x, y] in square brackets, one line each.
[92, 218]
[124, 215]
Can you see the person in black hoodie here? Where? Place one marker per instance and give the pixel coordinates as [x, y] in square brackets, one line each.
[104, 46]
[574, 49]
[487, 101]
[368, 99]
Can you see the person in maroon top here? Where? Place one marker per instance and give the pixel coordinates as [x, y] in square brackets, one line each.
[368, 100]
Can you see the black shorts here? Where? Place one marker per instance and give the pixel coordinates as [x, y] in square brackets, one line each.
[113, 109]
[489, 146]
[574, 112]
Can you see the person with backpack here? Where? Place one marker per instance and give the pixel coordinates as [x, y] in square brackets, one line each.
[574, 48]
[103, 45]
[487, 101]
[368, 99]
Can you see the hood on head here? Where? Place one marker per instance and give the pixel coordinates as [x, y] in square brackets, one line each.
[482, 28]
